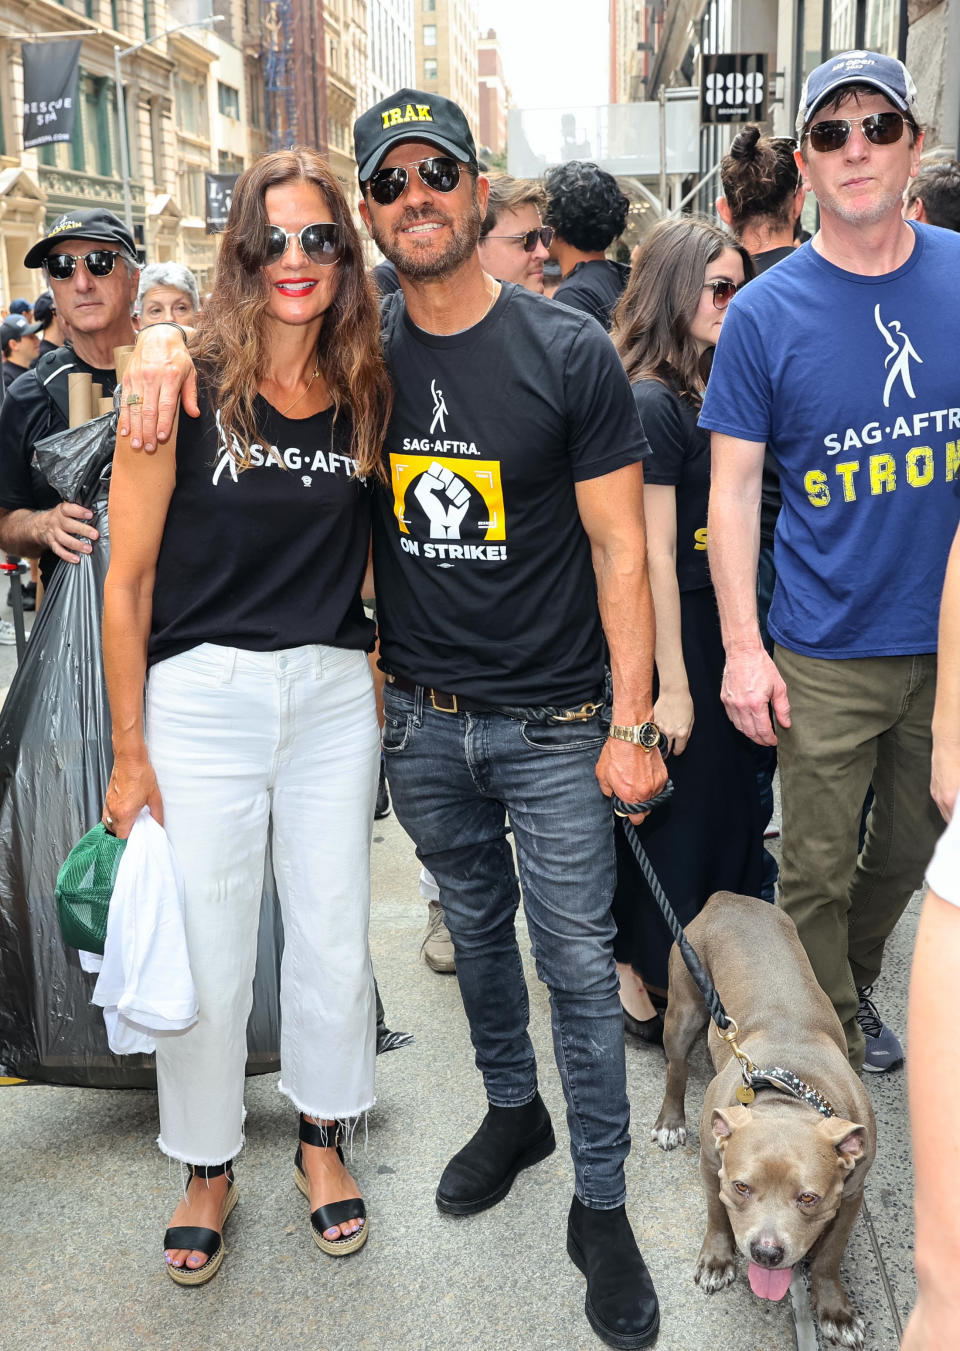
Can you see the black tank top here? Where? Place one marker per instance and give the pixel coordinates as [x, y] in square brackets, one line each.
[270, 557]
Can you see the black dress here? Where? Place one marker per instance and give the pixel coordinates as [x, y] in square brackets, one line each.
[709, 836]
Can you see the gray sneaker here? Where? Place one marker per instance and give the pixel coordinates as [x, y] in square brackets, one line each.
[8, 634]
[437, 946]
[884, 1051]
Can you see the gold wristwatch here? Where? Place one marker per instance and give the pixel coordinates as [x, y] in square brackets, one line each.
[645, 734]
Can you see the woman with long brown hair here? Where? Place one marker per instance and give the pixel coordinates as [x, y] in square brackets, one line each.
[708, 837]
[237, 559]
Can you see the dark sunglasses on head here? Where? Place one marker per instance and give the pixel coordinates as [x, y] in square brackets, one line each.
[440, 173]
[723, 292]
[98, 262]
[529, 239]
[878, 129]
[321, 242]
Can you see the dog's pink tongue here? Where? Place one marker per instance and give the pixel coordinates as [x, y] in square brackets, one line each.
[769, 1284]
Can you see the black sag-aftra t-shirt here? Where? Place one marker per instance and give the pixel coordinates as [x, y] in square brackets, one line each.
[680, 457]
[269, 557]
[485, 584]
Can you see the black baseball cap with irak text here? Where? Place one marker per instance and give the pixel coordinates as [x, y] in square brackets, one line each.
[411, 115]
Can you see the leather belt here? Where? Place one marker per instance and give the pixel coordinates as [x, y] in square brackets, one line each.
[444, 702]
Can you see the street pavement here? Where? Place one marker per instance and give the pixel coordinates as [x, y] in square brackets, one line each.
[85, 1197]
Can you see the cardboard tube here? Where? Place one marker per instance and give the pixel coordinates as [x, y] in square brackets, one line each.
[96, 394]
[106, 406]
[121, 358]
[80, 387]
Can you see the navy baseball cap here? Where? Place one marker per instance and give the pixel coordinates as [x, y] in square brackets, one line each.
[93, 224]
[20, 306]
[411, 115]
[887, 75]
[15, 327]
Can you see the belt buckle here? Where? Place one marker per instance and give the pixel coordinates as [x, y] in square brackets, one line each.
[441, 708]
[580, 714]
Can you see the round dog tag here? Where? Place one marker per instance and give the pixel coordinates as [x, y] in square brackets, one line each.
[745, 1094]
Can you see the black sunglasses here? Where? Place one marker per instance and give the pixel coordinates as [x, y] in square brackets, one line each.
[440, 173]
[723, 292]
[529, 239]
[321, 242]
[878, 128]
[98, 262]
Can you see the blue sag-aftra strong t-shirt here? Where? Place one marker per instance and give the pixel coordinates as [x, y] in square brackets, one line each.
[854, 383]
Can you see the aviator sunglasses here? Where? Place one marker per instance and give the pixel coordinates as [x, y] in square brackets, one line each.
[529, 239]
[878, 129]
[440, 173]
[98, 262]
[321, 242]
[723, 292]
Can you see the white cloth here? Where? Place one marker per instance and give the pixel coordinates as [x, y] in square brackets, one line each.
[145, 984]
[943, 875]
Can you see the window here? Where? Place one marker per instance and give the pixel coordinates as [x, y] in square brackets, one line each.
[228, 99]
[429, 6]
[229, 164]
[192, 197]
[429, 34]
[191, 108]
[430, 68]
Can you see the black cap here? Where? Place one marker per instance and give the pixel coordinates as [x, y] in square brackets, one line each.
[93, 224]
[44, 309]
[411, 115]
[15, 327]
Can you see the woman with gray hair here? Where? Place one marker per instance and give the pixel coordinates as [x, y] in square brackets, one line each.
[168, 293]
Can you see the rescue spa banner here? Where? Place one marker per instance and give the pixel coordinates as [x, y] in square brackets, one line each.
[50, 73]
[219, 195]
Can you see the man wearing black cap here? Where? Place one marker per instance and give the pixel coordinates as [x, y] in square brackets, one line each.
[837, 359]
[89, 261]
[515, 503]
[20, 346]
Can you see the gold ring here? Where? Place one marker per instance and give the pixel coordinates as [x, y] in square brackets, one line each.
[134, 399]
[108, 820]
[625, 815]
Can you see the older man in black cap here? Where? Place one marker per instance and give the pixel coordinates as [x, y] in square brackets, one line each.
[89, 261]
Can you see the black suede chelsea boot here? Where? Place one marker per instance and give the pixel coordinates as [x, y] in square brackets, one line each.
[481, 1174]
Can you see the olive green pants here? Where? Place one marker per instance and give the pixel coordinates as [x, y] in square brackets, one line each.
[854, 722]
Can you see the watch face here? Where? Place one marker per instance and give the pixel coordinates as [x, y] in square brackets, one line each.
[649, 735]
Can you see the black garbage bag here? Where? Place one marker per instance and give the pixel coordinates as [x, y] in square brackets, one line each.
[55, 761]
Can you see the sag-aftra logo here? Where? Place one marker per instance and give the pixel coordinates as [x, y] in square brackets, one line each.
[413, 112]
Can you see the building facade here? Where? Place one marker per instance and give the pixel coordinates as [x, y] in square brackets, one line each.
[390, 47]
[494, 96]
[446, 52]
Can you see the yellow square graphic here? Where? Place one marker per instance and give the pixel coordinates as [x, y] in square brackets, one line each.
[483, 476]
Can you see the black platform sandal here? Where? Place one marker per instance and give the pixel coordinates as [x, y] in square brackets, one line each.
[328, 1217]
[198, 1238]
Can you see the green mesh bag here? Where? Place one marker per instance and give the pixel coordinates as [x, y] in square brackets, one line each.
[84, 887]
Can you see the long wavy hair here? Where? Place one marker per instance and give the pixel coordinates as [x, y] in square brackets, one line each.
[231, 340]
[651, 324]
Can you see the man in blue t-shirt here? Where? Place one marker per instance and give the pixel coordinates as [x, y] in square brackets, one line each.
[837, 360]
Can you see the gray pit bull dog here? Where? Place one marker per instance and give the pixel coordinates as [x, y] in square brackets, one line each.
[790, 1176]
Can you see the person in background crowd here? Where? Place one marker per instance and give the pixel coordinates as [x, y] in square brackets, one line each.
[168, 293]
[514, 241]
[587, 212]
[835, 359]
[260, 710]
[762, 199]
[552, 277]
[708, 837]
[89, 261]
[45, 314]
[934, 195]
[507, 696]
[763, 195]
[20, 347]
[23, 308]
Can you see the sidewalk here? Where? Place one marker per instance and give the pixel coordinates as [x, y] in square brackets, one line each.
[86, 1197]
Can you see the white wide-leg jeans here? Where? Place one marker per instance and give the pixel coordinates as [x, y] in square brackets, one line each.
[242, 743]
